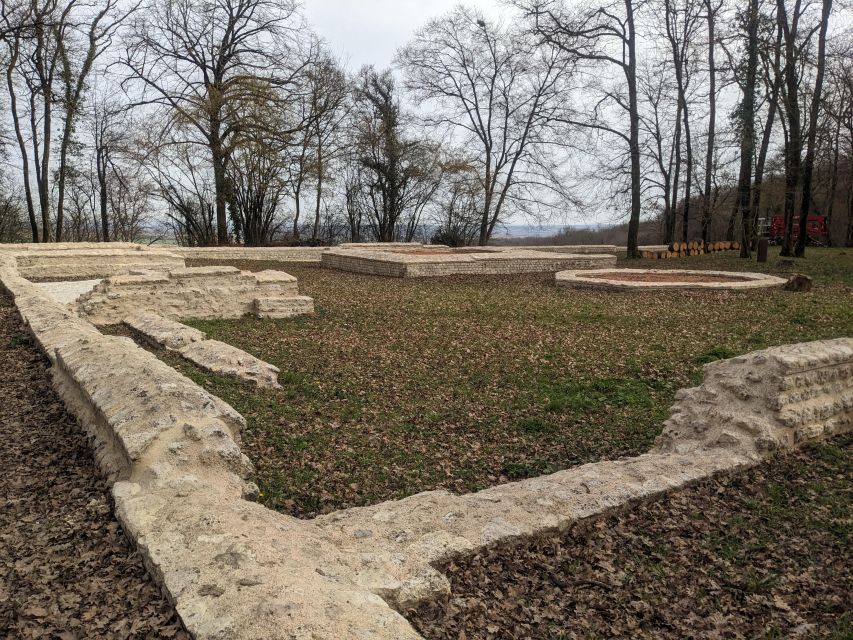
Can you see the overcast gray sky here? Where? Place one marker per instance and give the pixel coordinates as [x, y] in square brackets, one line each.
[371, 31]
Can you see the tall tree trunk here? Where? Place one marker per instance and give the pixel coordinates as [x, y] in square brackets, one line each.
[676, 177]
[712, 124]
[747, 132]
[220, 181]
[16, 122]
[794, 143]
[318, 202]
[101, 170]
[41, 160]
[634, 133]
[833, 183]
[808, 164]
[772, 107]
[688, 177]
[63, 167]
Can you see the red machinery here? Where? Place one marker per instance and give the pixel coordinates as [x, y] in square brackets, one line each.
[815, 228]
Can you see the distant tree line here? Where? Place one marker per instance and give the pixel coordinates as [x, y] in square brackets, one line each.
[230, 122]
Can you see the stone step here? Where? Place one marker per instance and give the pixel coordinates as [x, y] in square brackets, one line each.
[162, 331]
[223, 359]
[285, 307]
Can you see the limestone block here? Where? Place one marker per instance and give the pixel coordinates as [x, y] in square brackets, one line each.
[283, 307]
[223, 359]
[162, 331]
[767, 400]
[199, 292]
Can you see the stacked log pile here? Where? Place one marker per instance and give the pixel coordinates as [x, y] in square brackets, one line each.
[693, 248]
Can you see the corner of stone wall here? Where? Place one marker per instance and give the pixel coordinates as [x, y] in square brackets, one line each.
[765, 401]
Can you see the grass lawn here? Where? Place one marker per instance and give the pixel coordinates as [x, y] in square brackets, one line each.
[400, 386]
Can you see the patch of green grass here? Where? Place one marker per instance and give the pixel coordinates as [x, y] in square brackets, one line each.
[535, 425]
[587, 396]
[717, 353]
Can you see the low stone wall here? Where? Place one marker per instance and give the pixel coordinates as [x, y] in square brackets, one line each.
[236, 570]
[211, 355]
[267, 254]
[489, 261]
[61, 264]
[202, 292]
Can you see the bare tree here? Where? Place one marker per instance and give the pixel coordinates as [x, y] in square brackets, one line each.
[329, 92]
[98, 31]
[661, 130]
[493, 86]
[712, 7]
[746, 128]
[397, 173]
[603, 34]
[199, 59]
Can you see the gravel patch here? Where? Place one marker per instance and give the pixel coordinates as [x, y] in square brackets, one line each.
[66, 570]
[68, 291]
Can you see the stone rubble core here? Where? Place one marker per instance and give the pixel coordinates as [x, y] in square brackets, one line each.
[211, 355]
[236, 570]
[592, 279]
[417, 261]
[200, 292]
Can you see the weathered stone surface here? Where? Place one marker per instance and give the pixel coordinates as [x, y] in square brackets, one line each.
[415, 261]
[223, 359]
[283, 307]
[76, 264]
[162, 331]
[201, 292]
[764, 401]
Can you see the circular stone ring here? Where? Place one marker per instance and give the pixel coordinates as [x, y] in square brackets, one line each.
[664, 279]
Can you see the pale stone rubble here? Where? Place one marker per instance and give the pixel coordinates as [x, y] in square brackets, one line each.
[592, 279]
[236, 570]
[200, 292]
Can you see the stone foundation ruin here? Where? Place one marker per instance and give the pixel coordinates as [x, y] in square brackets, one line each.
[418, 261]
[236, 570]
[200, 292]
[664, 280]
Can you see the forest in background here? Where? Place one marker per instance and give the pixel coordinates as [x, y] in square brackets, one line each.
[230, 122]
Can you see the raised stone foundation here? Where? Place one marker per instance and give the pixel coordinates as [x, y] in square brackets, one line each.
[417, 261]
[92, 263]
[236, 570]
[202, 292]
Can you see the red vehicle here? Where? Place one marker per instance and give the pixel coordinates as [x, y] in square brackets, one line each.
[815, 228]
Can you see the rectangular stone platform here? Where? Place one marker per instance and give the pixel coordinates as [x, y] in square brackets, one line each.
[201, 292]
[417, 261]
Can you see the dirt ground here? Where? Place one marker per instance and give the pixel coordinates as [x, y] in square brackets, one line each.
[761, 554]
[66, 570]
